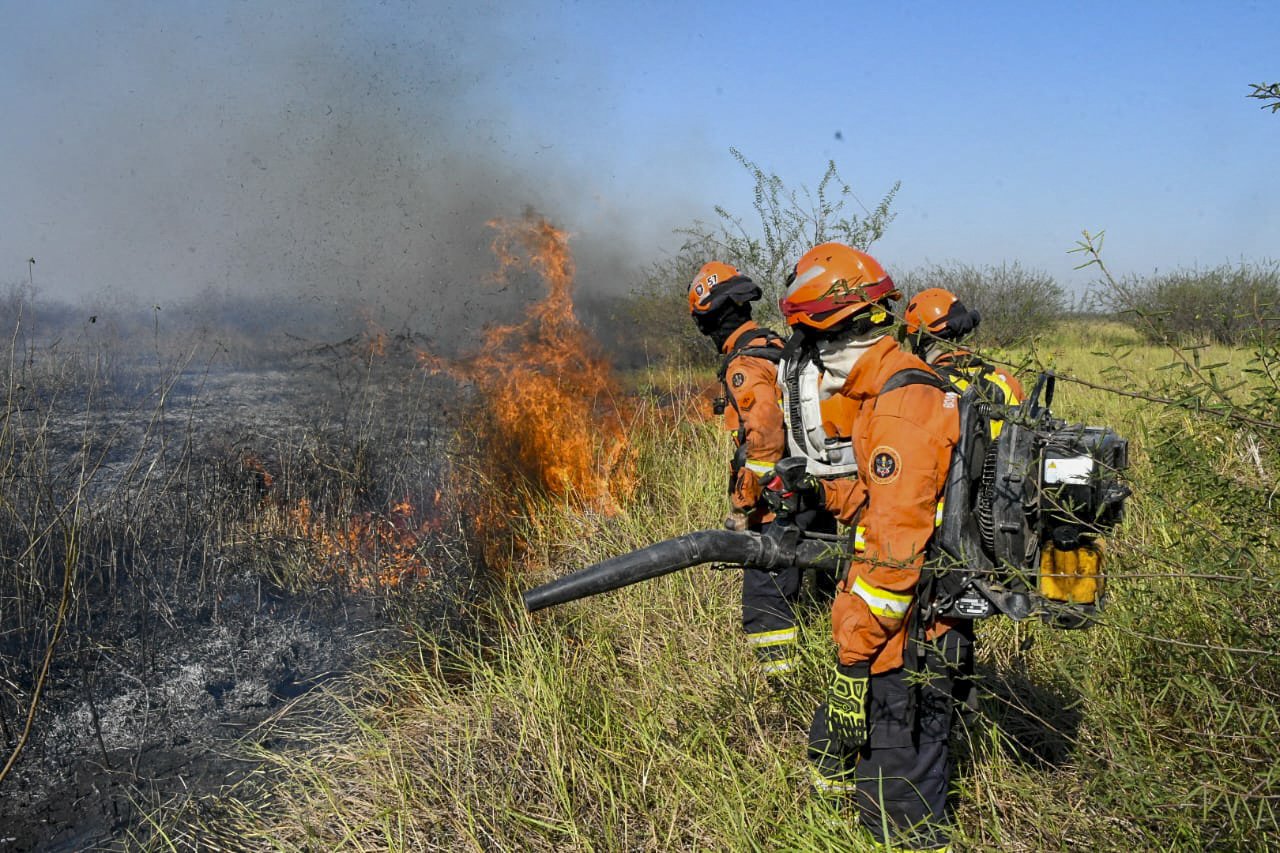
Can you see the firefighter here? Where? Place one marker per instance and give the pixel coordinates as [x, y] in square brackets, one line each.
[720, 301]
[882, 734]
[935, 322]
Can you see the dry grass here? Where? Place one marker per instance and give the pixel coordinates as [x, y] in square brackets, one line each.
[635, 720]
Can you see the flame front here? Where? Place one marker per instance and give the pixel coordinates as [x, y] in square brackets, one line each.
[365, 550]
[549, 396]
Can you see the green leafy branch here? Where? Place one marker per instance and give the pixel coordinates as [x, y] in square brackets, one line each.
[1268, 93]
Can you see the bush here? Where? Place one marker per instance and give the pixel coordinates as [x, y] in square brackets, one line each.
[1016, 302]
[1225, 304]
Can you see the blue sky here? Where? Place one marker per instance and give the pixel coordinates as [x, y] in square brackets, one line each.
[156, 149]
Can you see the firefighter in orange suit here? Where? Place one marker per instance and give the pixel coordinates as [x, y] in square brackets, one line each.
[720, 301]
[935, 322]
[883, 732]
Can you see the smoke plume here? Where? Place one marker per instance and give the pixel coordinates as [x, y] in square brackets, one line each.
[348, 156]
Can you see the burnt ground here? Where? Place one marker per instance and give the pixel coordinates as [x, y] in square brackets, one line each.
[187, 634]
[131, 741]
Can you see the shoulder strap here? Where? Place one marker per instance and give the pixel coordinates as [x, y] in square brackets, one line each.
[750, 346]
[914, 376]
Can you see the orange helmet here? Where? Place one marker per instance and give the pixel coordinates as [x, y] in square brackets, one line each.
[939, 313]
[717, 283]
[833, 282]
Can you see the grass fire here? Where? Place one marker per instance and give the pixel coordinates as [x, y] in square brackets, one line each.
[459, 427]
[550, 408]
[269, 597]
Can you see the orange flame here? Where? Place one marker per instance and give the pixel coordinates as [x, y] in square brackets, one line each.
[550, 397]
[367, 550]
[376, 344]
[373, 343]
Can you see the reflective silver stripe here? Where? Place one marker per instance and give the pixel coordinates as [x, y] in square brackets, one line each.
[882, 602]
[759, 467]
[860, 538]
[807, 276]
[773, 667]
[773, 638]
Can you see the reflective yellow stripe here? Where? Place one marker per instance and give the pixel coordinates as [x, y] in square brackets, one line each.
[773, 638]
[993, 376]
[859, 538]
[760, 467]
[882, 602]
[937, 515]
[831, 786]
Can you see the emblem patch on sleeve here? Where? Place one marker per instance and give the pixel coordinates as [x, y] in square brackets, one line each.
[886, 464]
[738, 379]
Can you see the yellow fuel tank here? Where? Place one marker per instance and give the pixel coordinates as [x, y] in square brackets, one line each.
[1072, 576]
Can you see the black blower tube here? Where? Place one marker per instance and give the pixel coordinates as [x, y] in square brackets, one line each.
[747, 549]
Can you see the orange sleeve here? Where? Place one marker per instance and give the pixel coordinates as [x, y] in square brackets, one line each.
[844, 498]
[754, 386]
[908, 452]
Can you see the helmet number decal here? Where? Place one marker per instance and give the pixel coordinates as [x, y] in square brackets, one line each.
[886, 465]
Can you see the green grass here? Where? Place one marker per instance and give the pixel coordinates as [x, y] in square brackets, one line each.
[636, 721]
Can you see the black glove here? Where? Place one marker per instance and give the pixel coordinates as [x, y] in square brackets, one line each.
[847, 706]
[792, 488]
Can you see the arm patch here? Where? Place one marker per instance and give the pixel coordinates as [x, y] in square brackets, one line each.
[886, 465]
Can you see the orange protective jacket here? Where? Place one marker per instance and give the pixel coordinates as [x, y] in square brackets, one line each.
[903, 442]
[751, 384]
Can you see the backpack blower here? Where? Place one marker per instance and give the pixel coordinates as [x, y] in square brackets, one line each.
[1023, 522]
[1025, 515]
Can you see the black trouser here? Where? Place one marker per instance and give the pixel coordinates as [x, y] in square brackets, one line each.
[899, 779]
[769, 601]
[769, 617]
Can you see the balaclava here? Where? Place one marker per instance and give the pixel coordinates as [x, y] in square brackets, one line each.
[719, 325]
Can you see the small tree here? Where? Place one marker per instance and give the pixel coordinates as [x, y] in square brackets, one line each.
[789, 222]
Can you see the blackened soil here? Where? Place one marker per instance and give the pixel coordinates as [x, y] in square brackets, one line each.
[184, 644]
[157, 733]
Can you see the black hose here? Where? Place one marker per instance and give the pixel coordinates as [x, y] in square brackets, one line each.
[747, 549]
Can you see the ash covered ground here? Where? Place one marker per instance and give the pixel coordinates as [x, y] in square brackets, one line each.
[200, 607]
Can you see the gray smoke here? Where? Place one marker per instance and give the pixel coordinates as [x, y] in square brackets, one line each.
[331, 152]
